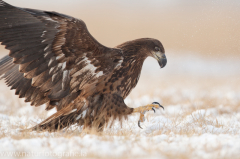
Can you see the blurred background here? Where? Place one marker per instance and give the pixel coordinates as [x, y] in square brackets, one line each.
[208, 28]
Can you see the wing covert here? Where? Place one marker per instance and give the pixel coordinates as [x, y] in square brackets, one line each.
[52, 55]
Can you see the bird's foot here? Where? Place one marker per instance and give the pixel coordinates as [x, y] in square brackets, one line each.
[143, 109]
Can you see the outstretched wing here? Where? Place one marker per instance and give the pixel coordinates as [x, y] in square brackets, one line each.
[52, 56]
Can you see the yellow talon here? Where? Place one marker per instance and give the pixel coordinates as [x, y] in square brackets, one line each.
[143, 109]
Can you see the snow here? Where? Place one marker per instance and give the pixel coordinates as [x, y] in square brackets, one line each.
[201, 119]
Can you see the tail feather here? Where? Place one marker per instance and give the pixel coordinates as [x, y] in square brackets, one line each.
[66, 117]
[58, 121]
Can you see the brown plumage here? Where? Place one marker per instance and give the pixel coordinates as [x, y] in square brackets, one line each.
[54, 60]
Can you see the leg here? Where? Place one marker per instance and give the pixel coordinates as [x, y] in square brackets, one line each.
[143, 109]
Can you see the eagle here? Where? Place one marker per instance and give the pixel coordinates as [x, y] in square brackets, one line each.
[54, 60]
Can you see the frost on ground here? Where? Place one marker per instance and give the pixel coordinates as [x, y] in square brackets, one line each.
[201, 118]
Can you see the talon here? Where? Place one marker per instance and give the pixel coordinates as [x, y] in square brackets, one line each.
[154, 110]
[143, 109]
[158, 104]
[139, 124]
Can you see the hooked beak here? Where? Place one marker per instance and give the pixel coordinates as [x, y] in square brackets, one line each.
[162, 61]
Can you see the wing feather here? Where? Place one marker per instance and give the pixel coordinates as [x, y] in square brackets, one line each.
[52, 58]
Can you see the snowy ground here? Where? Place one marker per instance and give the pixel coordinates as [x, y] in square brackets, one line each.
[201, 117]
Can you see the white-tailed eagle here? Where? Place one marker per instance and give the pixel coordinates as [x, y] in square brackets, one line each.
[54, 60]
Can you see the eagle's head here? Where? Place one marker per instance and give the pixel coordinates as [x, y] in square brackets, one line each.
[156, 50]
[144, 47]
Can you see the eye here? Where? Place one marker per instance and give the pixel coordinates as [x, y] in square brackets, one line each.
[157, 48]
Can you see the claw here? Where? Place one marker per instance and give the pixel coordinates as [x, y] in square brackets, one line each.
[158, 105]
[139, 124]
[154, 110]
[143, 109]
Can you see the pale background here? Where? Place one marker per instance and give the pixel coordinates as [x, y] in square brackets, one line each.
[205, 27]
